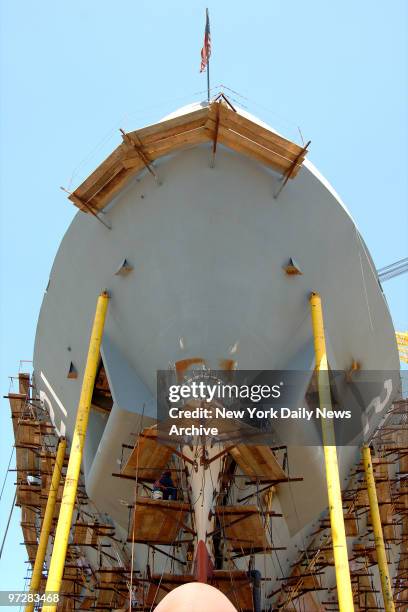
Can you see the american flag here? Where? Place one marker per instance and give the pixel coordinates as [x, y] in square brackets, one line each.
[206, 50]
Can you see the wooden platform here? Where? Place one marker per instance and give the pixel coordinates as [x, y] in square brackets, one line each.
[368, 552]
[28, 432]
[258, 462]
[386, 506]
[216, 123]
[350, 523]
[243, 528]
[71, 576]
[28, 495]
[157, 521]
[88, 534]
[17, 406]
[112, 593]
[85, 535]
[149, 457]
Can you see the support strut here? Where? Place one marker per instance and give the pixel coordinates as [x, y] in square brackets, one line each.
[378, 532]
[74, 465]
[338, 532]
[47, 522]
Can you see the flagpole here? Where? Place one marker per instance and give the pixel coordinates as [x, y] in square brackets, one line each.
[208, 80]
[208, 61]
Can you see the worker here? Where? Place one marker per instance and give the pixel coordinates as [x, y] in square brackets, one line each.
[165, 485]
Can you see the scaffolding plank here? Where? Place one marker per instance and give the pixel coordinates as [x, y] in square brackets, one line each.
[28, 432]
[351, 524]
[157, 521]
[110, 188]
[243, 528]
[171, 127]
[242, 123]
[177, 141]
[233, 130]
[26, 459]
[17, 406]
[155, 141]
[364, 596]
[257, 462]
[286, 150]
[148, 456]
[85, 535]
[28, 495]
[28, 517]
[109, 595]
[97, 178]
[249, 148]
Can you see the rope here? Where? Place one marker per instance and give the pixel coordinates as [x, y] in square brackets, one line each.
[134, 510]
[146, 113]
[230, 560]
[288, 121]
[294, 505]
[8, 523]
[365, 292]
[151, 111]
[7, 472]
[26, 404]
[167, 560]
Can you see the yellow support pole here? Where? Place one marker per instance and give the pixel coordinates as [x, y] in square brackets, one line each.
[338, 532]
[47, 522]
[378, 532]
[59, 552]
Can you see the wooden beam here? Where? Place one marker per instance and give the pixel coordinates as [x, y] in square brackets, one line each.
[292, 169]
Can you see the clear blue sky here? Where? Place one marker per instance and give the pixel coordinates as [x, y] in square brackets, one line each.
[73, 72]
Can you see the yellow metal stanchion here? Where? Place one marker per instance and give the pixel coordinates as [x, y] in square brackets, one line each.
[47, 522]
[378, 533]
[74, 465]
[338, 532]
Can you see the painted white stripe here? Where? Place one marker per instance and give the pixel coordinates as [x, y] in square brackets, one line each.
[54, 395]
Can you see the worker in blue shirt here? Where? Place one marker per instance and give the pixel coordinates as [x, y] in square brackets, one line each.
[166, 486]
